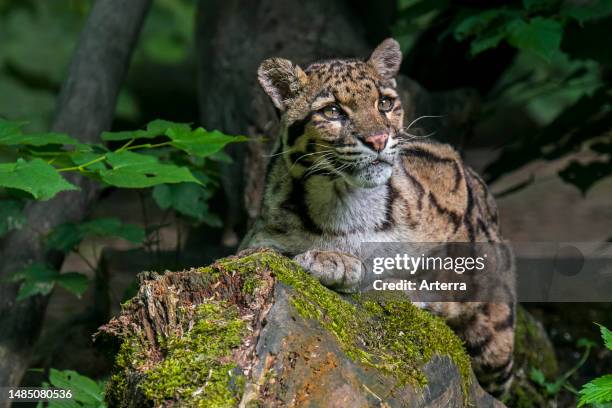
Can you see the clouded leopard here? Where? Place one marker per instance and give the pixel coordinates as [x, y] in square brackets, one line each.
[346, 172]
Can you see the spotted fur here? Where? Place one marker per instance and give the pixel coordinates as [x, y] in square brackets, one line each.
[346, 171]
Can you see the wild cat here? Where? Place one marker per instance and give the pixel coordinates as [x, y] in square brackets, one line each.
[345, 172]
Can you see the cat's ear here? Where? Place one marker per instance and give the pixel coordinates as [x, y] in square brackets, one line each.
[387, 58]
[282, 80]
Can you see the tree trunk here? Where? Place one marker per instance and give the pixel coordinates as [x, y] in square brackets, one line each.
[86, 107]
[256, 330]
[233, 37]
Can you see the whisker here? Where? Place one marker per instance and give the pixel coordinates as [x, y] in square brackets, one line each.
[321, 145]
[278, 154]
[319, 160]
[323, 153]
[413, 137]
[422, 117]
[310, 154]
[319, 163]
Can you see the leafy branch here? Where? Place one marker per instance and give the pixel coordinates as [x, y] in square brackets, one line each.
[171, 157]
[130, 166]
[596, 392]
[599, 390]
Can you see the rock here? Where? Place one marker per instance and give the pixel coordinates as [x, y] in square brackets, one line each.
[257, 331]
[532, 350]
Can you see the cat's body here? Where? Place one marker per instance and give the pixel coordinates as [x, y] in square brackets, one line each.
[345, 173]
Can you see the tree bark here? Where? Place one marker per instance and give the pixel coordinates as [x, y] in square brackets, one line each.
[86, 107]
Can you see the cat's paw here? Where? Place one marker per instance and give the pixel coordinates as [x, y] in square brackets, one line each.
[338, 271]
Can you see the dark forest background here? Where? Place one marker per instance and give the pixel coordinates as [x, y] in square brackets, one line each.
[522, 88]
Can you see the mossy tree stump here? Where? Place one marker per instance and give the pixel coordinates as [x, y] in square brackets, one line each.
[256, 330]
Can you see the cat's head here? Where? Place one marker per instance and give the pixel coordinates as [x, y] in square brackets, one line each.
[340, 117]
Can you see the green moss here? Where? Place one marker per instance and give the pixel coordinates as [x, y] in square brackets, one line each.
[250, 284]
[193, 369]
[197, 368]
[387, 332]
[129, 355]
[116, 389]
[532, 347]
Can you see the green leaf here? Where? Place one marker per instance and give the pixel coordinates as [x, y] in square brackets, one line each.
[35, 177]
[586, 10]
[597, 391]
[421, 8]
[127, 135]
[9, 128]
[553, 388]
[40, 280]
[40, 139]
[35, 271]
[32, 288]
[186, 198]
[484, 42]
[74, 282]
[158, 127]
[585, 343]
[37, 280]
[84, 390]
[65, 403]
[67, 236]
[537, 376]
[200, 142]
[81, 158]
[64, 238]
[539, 5]
[162, 127]
[540, 35]
[113, 227]
[11, 216]
[221, 157]
[133, 170]
[475, 23]
[606, 335]
[487, 28]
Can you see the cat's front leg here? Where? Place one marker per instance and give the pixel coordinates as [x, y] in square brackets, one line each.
[336, 270]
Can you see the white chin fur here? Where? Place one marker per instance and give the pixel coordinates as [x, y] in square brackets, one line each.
[371, 176]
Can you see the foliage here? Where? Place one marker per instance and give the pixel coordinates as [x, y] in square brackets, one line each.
[599, 390]
[42, 158]
[531, 25]
[562, 382]
[168, 32]
[172, 157]
[85, 391]
[66, 237]
[38, 40]
[596, 392]
[558, 75]
[187, 199]
[38, 279]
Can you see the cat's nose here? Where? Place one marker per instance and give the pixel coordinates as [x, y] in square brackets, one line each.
[377, 141]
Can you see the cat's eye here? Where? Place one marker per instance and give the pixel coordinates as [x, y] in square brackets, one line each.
[385, 104]
[332, 112]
